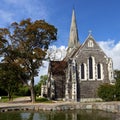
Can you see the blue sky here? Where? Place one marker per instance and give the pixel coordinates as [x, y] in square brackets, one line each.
[102, 17]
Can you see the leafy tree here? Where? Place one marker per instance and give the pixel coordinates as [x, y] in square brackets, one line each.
[10, 71]
[27, 45]
[106, 92]
[9, 78]
[23, 90]
[42, 81]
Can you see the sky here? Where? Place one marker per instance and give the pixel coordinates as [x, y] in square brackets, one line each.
[102, 17]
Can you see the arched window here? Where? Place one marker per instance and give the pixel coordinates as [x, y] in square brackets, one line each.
[90, 43]
[82, 71]
[90, 68]
[99, 71]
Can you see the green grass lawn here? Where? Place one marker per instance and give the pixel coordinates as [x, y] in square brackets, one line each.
[4, 99]
[38, 100]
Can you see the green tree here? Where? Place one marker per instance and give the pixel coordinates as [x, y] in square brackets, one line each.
[23, 90]
[9, 79]
[42, 81]
[106, 92]
[10, 70]
[28, 43]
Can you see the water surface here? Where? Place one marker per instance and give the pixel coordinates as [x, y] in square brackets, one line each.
[65, 115]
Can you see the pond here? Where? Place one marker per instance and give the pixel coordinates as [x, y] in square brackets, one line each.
[55, 115]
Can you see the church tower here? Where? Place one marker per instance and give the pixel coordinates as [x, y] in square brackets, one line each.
[78, 76]
[73, 38]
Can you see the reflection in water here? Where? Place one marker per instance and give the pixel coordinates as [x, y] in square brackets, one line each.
[65, 115]
[25, 116]
[69, 115]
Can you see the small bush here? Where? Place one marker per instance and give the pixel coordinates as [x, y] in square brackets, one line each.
[106, 92]
[42, 100]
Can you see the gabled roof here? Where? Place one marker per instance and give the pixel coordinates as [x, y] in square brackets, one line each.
[87, 45]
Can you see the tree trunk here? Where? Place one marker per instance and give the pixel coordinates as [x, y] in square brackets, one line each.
[9, 96]
[32, 90]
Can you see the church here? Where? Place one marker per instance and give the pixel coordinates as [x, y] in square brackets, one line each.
[84, 68]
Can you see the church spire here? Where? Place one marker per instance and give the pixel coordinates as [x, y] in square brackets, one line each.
[73, 38]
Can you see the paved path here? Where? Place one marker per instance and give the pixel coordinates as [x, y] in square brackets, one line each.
[17, 102]
[25, 101]
[22, 99]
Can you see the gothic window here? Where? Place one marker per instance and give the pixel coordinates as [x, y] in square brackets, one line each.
[90, 43]
[90, 68]
[99, 71]
[82, 71]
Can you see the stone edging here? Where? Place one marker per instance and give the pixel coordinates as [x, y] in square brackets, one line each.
[104, 106]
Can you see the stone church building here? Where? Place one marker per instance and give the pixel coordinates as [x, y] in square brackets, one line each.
[81, 72]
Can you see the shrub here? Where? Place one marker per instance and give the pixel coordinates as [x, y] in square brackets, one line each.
[106, 92]
[42, 100]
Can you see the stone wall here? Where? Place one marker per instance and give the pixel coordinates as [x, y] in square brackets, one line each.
[104, 106]
[88, 89]
[59, 86]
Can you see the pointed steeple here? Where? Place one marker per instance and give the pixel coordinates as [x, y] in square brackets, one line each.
[73, 38]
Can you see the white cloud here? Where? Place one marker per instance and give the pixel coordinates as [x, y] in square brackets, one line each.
[112, 50]
[57, 54]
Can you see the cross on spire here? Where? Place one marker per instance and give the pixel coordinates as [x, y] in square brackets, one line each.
[90, 32]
